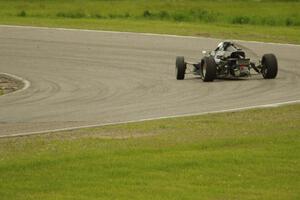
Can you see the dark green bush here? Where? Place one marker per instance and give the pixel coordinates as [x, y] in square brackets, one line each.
[118, 16]
[147, 13]
[269, 21]
[99, 16]
[74, 14]
[179, 16]
[22, 13]
[241, 20]
[163, 15]
[289, 22]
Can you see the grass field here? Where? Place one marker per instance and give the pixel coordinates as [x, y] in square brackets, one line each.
[244, 155]
[276, 21]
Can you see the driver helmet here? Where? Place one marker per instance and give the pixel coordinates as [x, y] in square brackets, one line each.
[220, 45]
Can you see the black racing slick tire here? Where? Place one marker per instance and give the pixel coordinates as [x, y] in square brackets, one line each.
[208, 69]
[269, 66]
[180, 68]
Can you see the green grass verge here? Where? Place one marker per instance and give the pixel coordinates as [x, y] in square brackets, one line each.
[1, 92]
[272, 21]
[242, 155]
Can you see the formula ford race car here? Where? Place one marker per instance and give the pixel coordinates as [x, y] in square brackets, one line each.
[227, 61]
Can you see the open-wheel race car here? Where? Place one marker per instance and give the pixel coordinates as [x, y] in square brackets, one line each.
[227, 61]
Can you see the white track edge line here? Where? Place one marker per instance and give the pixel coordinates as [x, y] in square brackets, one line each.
[151, 119]
[25, 82]
[140, 33]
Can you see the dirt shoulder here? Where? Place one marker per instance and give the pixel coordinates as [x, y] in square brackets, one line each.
[9, 84]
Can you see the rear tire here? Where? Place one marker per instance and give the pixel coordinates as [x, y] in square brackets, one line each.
[208, 69]
[269, 66]
[180, 68]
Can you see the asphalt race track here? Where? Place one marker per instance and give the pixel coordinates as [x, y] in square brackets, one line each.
[80, 78]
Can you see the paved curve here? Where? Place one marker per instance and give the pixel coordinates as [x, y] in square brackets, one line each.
[89, 77]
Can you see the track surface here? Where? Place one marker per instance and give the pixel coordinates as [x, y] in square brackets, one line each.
[89, 77]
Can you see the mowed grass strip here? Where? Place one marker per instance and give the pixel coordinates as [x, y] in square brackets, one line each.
[241, 155]
[263, 20]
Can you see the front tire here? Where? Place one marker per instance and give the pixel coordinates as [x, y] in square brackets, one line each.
[208, 69]
[180, 68]
[269, 66]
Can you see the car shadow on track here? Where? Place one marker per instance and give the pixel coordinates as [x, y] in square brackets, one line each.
[251, 78]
